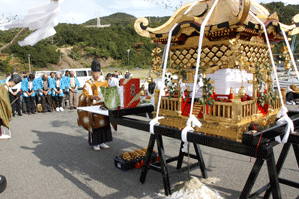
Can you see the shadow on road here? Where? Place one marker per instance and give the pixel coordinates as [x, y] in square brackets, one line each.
[76, 161]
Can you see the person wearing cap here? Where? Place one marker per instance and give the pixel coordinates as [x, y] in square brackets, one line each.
[15, 96]
[97, 125]
[57, 91]
[29, 87]
[127, 75]
[5, 104]
[72, 83]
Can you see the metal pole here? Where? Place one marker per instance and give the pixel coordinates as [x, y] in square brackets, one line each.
[29, 63]
[128, 58]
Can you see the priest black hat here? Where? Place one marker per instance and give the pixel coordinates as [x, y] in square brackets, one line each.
[96, 66]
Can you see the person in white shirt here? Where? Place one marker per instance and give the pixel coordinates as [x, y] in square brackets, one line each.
[120, 75]
[73, 84]
[57, 92]
[15, 96]
[112, 80]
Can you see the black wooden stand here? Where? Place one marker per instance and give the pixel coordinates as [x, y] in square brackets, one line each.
[292, 141]
[249, 148]
[161, 166]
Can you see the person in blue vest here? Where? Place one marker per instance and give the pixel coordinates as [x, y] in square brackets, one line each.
[57, 92]
[7, 76]
[45, 86]
[72, 83]
[66, 91]
[52, 79]
[0, 82]
[29, 88]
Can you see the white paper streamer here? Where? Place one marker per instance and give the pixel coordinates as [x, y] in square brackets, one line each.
[49, 20]
[38, 35]
[43, 19]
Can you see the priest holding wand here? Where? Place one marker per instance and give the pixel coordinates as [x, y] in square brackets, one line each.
[98, 126]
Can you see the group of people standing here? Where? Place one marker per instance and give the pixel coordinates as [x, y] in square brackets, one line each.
[119, 75]
[44, 90]
[55, 87]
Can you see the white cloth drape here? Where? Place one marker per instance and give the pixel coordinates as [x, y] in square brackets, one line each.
[42, 19]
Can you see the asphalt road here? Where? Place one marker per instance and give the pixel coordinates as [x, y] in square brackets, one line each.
[48, 157]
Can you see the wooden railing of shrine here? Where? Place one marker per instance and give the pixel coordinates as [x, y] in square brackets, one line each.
[230, 112]
[277, 104]
[169, 106]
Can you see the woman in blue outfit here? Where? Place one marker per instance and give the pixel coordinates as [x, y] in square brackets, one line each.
[57, 92]
[29, 87]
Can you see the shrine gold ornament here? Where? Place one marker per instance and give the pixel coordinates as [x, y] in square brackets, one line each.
[233, 40]
[157, 62]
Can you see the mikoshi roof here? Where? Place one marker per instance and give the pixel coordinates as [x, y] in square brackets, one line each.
[229, 16]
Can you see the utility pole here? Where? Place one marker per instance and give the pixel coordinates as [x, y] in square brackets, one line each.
[128, 58]
[29, 63]
[13, 63]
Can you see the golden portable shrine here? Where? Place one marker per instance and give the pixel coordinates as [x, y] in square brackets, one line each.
[237, 87]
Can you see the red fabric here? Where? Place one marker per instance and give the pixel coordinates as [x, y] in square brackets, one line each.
[131, 89]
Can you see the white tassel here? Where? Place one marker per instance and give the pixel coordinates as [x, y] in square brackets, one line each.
[153, 123]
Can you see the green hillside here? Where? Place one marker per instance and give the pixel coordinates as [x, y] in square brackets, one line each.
[104, 43]
[114, 19]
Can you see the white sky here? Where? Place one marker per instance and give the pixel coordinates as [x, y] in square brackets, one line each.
[79, 11]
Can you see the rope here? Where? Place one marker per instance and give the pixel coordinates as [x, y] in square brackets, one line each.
[271, 55]
[192, 119]
[165, 56]
[202, 29]
[283, 112]
[164, 67]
